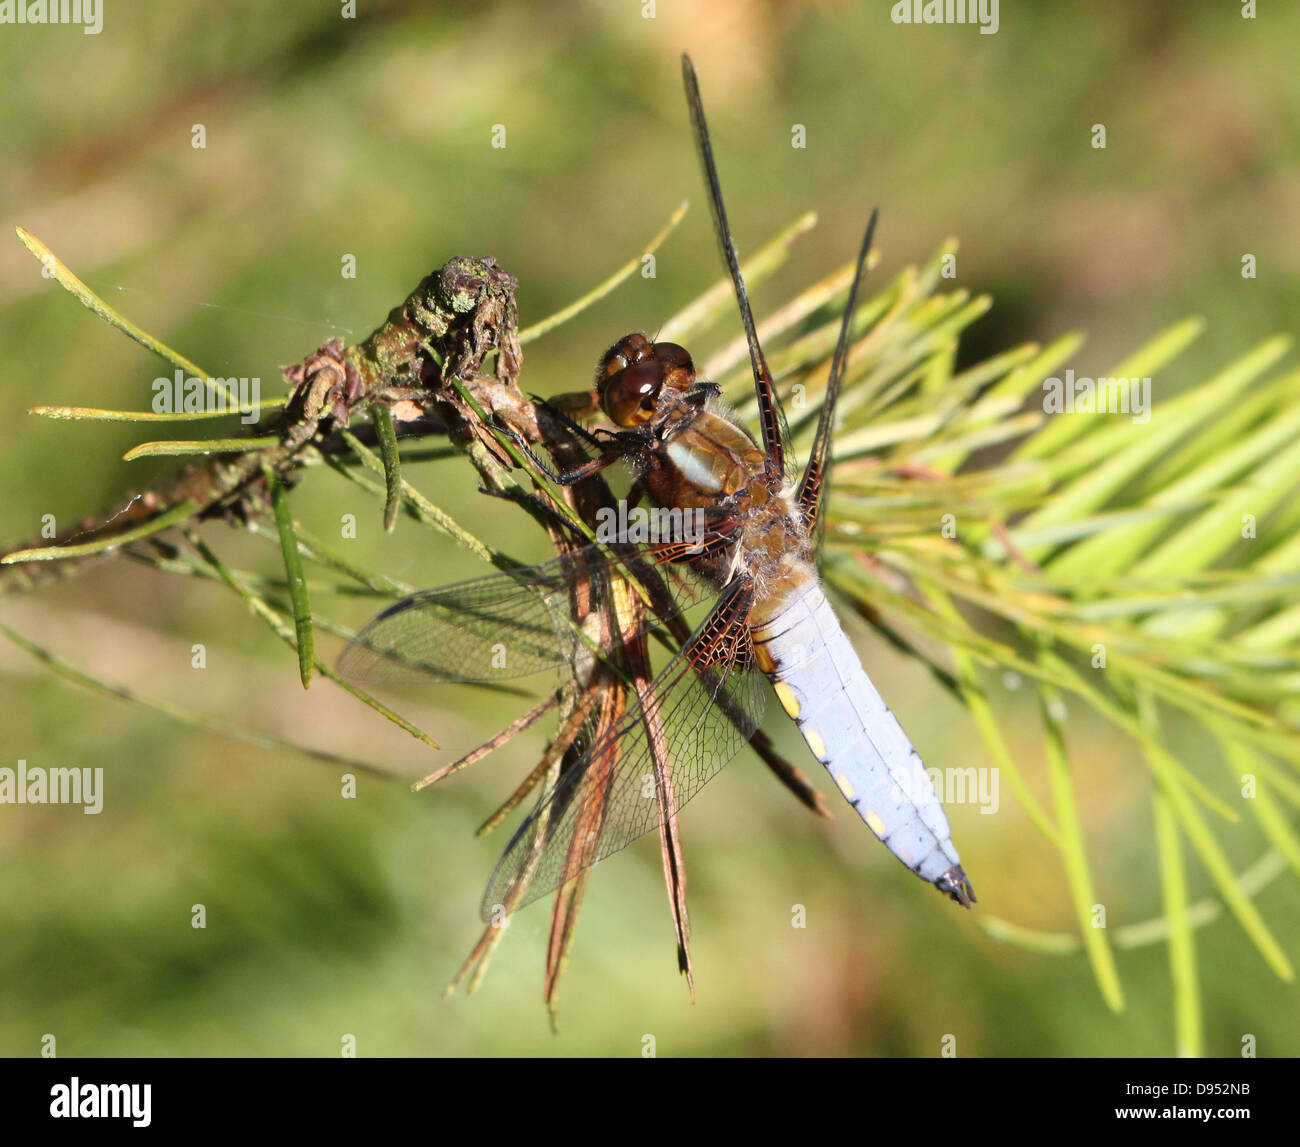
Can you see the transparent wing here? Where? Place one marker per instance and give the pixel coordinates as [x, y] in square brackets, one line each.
[771, 418]
[505, 625]
[704, 705]
[815, 482]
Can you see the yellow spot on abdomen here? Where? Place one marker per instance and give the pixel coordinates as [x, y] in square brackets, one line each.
[816, 744]
[845, 786]
[875, 824]
[789, 702]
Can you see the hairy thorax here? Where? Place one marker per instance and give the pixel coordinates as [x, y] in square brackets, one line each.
[709, 462]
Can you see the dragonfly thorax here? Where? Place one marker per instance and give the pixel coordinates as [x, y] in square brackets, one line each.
[692, 454]
[708, 461]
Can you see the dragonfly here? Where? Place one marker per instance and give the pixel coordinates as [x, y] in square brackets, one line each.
[753, 557]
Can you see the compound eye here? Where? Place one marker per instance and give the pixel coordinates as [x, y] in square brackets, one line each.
[637, 348]
[674, 355]
[612, 363]
[629, 398]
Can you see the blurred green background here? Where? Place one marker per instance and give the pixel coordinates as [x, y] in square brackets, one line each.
[371, 137]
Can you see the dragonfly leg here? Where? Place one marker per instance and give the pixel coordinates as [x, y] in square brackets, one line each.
[569, 477]
[562, 417]
[535, 504]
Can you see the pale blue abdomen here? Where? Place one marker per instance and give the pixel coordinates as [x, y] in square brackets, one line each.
[848, 727]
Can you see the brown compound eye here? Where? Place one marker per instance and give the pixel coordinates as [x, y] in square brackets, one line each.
[629, 397]
[628, 350]
[674, 355]
[636, 347]
[612, 363]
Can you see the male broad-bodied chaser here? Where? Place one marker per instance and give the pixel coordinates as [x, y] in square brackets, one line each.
[756, 559]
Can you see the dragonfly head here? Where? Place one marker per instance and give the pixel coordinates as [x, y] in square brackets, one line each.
[636, 374]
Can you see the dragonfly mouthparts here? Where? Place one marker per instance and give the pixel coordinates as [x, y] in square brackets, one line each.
[956, 885]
